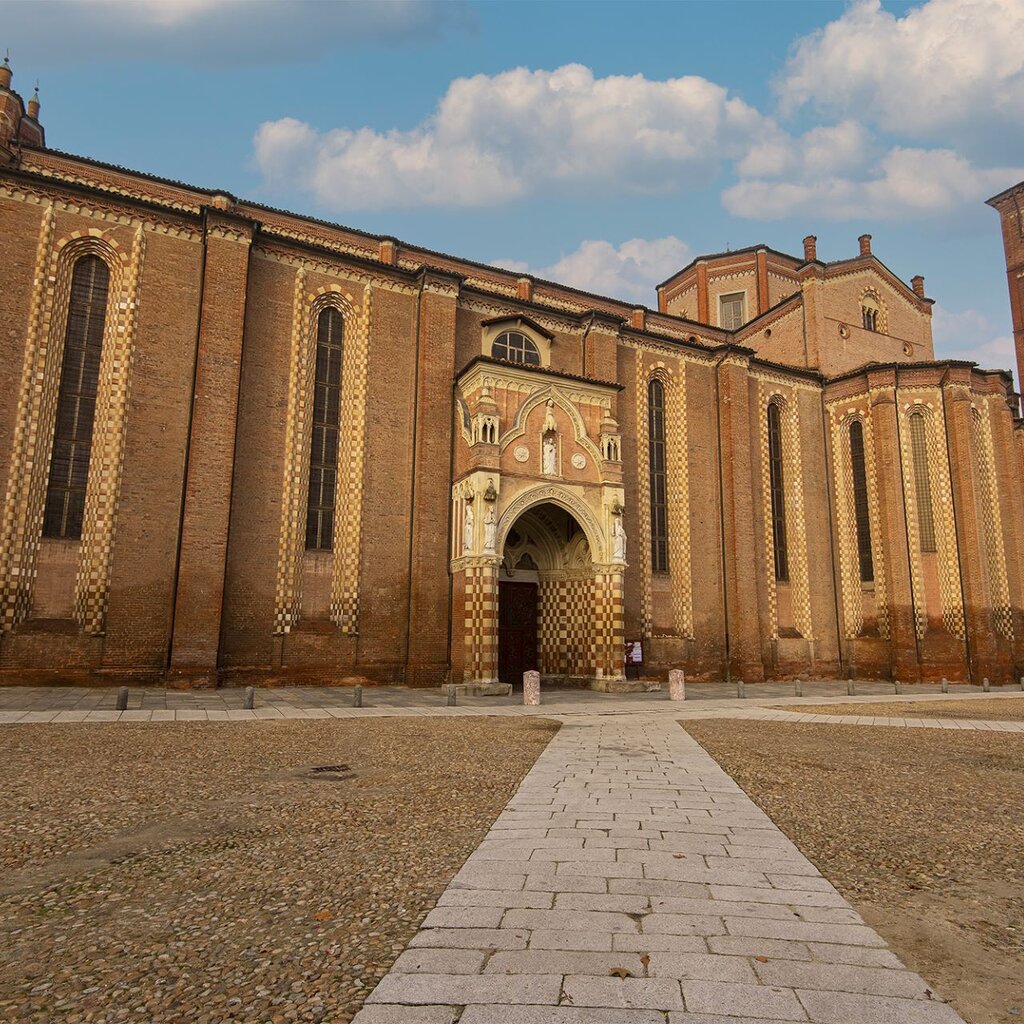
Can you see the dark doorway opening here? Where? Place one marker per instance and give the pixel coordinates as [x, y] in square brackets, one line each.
[517, 631]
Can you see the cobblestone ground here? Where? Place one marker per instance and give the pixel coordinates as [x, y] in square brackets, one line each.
[922, 829]
[200, 872]
[631, 881]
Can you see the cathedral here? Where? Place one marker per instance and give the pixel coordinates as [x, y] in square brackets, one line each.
[246, 446]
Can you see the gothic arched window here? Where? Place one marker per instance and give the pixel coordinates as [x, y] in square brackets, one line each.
[860, 502]
[516, 347]
[323, 452]
[659, 481]
[922, 481]
[870, 312]
[76, 399]
[777, 490]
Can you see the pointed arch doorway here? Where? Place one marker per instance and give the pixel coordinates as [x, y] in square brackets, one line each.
[547, 600]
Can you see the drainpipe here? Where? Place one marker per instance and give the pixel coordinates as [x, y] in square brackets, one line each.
[721, 519]
[956, 538]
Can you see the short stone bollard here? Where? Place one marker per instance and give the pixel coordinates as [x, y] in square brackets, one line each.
[798, 688]
[897, 686]
[851, 690]
[741, 690]
[945, 685]
[357, 696]
[986, 685]
[531, 688]
[122, 699]
[452, 695]
[250, 698]
[676, 684]
[1022, 682]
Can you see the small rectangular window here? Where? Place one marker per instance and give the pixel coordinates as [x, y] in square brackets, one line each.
[731, 314]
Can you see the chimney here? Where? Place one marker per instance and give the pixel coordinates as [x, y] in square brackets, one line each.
[865, 245]
[524, 288]
[387, 251]
[638, 319]
[917, 283]
[810, 248]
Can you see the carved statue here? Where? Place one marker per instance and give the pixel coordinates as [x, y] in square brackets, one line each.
[550, 460]
[490, 530]
[618, 539]
[467, 531]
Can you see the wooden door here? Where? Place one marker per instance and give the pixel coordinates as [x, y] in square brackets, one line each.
[517, 631]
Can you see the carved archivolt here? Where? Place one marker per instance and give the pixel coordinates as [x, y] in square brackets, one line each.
[579, 509]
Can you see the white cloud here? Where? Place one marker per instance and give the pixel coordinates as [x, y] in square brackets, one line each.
[969, 334]
[629, 271]
[518, 133]
[219, 32]
[904, 184]
[946, 66]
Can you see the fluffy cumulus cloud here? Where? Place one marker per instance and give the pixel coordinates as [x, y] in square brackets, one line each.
[628, 271]
[496, 138]
[970, 334]
[902, 183]
[225, 31]
[948, 66]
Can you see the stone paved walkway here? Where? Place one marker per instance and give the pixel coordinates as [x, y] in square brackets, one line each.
[631, 881]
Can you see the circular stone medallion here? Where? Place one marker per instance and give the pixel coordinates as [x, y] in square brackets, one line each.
[579, 460]
[522, 453]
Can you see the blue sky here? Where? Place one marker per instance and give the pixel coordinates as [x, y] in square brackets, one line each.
[601, 144]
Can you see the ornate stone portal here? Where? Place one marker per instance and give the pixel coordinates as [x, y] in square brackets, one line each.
[545, 481]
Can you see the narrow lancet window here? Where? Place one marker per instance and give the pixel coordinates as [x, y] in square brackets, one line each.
[323, 453]
[922, 482]
[659, 482]
[777, 489]
[860, 502]
[76, 400]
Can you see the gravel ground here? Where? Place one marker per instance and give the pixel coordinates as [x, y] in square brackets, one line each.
[200, 872]
[984, 708]
[921, 830]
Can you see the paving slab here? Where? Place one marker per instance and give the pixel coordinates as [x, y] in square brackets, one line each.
[731, 924]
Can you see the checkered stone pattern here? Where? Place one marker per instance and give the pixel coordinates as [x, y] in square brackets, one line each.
[107, 455]
[679, 505]
[481, 621]
[567, 606]
[609, 625]
[349, 515]
[22, 525]
[643, 540]
[942, 512]
[296, 482]
[849, 560]
[796, 520]
[991, 518]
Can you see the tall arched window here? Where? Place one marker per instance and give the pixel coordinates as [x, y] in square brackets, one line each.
[659, 482]
[860, 502]
[323, 452]
[76, 400]
[777, 489]
[922, 481]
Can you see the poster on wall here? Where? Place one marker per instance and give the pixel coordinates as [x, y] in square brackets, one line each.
[634, 652]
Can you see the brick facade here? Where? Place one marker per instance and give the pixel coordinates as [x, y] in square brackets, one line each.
[456, 470]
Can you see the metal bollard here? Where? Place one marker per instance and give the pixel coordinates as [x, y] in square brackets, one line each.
[945, 685]
[452, 695]
[741, 690]
[676, 684]
[531, 688]
[986, 685]
[122, 699]
[850, 689]
[897, 686]
[357, 696]
[250, 698]
[799, 687]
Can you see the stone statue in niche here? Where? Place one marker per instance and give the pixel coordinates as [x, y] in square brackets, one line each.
[467, 531]
[550, 459]
[618, 538]
[490, 530]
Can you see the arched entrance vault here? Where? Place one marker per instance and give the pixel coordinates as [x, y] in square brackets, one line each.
[547, 598]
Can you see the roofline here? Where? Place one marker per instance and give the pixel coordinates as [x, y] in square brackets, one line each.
[729, 252]
[1005, 193]
[491, 361]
